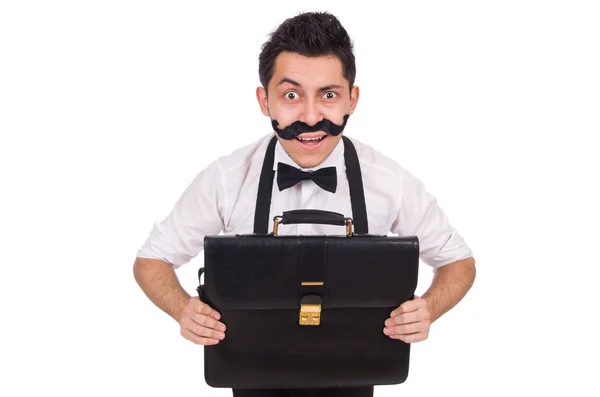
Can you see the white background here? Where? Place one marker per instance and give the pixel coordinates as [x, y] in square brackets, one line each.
[108, 109]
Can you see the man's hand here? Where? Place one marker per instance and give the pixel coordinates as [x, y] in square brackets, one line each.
[199, 323]
[409, 322]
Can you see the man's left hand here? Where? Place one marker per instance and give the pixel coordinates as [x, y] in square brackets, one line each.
[409, 322]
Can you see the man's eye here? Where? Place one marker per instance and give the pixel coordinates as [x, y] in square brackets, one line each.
[329, 95]
[291, 95]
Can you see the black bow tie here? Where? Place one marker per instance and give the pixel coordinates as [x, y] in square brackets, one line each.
[288, 176]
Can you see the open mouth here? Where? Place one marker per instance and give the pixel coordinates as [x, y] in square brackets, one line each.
[311, 143]
[313, 140]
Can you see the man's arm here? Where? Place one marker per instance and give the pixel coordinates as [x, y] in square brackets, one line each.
[439, 243]
[175, 241]
[160, 284]
[449, 285]
[410, 322]
[199, 322]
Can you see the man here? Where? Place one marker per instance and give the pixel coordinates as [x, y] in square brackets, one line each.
[307, 72]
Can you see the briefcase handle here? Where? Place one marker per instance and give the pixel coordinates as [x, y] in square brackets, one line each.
[312, 216]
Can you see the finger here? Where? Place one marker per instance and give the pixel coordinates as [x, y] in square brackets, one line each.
[409, 306]
[411, 338]
[406, 329]
[208, 322]
[202, 331]
[404, 318]
[189, 335]
[202, 308]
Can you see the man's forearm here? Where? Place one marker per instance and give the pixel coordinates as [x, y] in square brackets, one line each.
[160, 283]
[450, 284]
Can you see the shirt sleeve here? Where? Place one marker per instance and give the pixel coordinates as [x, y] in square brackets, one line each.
[179, 237]
[420, 215]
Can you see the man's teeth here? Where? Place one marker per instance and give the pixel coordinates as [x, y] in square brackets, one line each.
[311, 139]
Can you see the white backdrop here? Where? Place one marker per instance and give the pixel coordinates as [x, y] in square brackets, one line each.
[109, 109]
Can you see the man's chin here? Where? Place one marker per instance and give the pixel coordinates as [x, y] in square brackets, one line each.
[312, 156]
[305, 162]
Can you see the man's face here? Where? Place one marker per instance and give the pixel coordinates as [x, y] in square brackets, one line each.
[308, 89]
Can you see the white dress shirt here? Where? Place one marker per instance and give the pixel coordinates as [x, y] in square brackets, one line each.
[222, 198]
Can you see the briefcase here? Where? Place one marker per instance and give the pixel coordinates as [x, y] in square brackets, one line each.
[307, 311]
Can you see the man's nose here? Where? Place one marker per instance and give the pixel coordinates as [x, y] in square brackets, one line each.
[312, 113]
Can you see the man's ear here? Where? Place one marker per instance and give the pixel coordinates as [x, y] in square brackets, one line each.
[261, 97]
[354, 94]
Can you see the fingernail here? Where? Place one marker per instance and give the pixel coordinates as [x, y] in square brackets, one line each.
[221, 336]
[393, 314]
[216, 316]
[387, 323]
[386, 331]
[221, 327]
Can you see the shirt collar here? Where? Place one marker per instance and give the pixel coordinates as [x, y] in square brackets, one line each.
[335, 159]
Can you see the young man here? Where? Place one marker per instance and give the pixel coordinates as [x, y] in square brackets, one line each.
[307, 72]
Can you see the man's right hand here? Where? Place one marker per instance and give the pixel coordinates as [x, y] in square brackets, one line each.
[199, 323]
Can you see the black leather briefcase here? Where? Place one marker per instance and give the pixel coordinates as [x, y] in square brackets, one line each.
[307, 311]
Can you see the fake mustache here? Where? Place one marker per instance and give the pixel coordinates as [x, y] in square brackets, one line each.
[299, 127]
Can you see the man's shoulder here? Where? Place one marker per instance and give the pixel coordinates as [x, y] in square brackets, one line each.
[372, 160]
[245, 155]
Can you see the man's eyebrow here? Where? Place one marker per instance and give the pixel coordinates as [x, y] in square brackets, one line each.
[286, 80]
[324, 88]
[330, 87]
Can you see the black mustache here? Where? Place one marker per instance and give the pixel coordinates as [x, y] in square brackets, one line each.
[299, 127]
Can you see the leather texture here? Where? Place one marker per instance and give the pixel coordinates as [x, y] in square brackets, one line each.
[254, 281]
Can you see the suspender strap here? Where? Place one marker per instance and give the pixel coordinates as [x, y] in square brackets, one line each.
[265, 188]
[357, 193]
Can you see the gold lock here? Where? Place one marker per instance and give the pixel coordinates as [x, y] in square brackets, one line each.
[310, 314]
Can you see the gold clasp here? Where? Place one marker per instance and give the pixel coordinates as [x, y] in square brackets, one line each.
[277, 221]
[348, 227]
[310, 314]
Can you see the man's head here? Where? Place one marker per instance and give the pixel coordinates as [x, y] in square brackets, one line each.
[307, 72]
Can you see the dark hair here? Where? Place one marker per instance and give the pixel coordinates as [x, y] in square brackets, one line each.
[310, 34]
